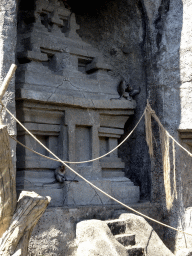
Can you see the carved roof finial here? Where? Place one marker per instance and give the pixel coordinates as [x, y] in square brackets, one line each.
[73, 28]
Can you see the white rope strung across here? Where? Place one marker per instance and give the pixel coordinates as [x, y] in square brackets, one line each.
[87, 161]
[91, 184]
[47, 157]
[148, 108]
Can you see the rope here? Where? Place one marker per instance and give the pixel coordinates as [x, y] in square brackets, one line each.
[50, 158]
[1, 111]
[91, 184]
[148, 108]
[92, 160]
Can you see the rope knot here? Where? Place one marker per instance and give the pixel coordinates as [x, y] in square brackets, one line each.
[149, 109]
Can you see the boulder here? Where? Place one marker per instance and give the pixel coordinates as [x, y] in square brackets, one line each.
[94, 238]
[145, 235]
[184, 252]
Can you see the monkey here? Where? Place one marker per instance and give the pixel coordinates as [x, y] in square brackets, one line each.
[122, 90]
[60, 176]
[133, 92]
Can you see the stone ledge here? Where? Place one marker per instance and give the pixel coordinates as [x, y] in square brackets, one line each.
[22, 94]
[186, 135]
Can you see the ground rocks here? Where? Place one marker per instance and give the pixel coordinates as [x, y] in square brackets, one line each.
[95, 239]
[184, 252]
[145, 235]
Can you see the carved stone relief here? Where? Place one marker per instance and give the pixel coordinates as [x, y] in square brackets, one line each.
[63, 97]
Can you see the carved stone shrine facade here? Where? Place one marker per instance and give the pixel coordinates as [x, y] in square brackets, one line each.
[64, 93]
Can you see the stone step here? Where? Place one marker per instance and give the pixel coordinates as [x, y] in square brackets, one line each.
[112, 173]
[135, 251]
[126, 239]
[117, 227]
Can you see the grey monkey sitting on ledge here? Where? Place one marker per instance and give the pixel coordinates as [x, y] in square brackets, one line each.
[126, 91]
[122, 90]
[60, 176]
[133, 92]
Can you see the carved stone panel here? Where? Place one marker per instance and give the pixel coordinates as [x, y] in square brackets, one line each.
[64, 91]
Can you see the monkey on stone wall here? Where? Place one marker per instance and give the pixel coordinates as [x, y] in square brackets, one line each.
[126, 91]
[121, 89]
[60, 176]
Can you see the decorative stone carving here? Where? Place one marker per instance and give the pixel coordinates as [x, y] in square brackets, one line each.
[63, 97]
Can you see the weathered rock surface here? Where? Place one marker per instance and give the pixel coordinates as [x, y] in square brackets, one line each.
[8, 40]
[16, 222]
[184, 252]
[55, 232]
[95, 239]
[148, 41]
[145, 235]
[7, 181]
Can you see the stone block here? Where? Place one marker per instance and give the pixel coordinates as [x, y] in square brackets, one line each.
[36, 162]
[39, 116]
[106, 173]
[116, 226]
[31, 55]
[97, 64]
[43, 183]
[81, 102]
[88, 172]
[112, 164]
[56, 194]
[121, 188]
[126, 239]
[124, 190]
[81, 193]
[36, 128]
[145, 235]
[111, 131]
[95, 238]
[112, 121]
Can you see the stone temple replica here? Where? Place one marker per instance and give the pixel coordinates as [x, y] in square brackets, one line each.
[71, 57]
[64, 92]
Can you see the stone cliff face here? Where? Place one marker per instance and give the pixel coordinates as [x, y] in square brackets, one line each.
[150, 43]
[8, 40]
[168, 61]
